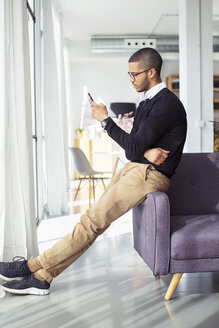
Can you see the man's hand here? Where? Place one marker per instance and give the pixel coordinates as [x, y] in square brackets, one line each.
[156, 155]
[99, 111]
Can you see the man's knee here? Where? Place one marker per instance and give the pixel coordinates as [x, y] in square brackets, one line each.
[94, 224]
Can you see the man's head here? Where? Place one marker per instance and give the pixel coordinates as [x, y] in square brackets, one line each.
[147, 62]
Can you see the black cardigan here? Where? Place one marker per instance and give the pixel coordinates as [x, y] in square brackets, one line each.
[158, 122]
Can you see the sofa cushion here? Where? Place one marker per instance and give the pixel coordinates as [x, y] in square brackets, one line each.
[195, 236]
[194, 188]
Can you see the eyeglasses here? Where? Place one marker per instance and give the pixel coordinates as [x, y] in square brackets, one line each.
[133, 75]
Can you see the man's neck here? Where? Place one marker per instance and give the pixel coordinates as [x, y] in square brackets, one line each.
[153, 83]
[154, 90]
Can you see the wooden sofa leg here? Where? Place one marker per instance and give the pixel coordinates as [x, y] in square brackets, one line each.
[172, 286]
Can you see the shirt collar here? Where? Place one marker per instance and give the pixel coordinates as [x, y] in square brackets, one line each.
[153, 91]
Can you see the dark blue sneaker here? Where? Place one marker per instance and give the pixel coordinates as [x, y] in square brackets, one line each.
[29, 285]
[15, 270]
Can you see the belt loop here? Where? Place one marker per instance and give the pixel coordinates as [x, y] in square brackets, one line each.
[146, 173]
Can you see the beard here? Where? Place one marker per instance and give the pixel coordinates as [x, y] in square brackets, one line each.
[144, 86]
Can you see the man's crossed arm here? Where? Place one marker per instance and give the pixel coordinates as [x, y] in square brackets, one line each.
[156, 156]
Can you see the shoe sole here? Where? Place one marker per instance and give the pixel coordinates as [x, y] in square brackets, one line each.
[10, 279]
[27, 291]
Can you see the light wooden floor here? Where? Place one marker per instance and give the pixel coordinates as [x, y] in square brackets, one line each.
[111, 287]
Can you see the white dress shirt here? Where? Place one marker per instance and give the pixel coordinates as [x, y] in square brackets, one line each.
[153, 91]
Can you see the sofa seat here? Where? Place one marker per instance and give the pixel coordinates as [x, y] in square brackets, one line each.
[194, 237]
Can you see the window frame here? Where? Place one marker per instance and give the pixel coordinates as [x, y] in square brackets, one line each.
[31, 13]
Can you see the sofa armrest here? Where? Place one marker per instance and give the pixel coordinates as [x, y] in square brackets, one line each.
[151, 228]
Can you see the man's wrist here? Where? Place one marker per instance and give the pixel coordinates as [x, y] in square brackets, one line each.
[105, 121]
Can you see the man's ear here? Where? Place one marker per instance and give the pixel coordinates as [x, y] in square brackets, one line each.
[152, 73]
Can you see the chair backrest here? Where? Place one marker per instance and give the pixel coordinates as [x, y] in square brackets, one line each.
[122, 108]
[194, 188]
[81, 163]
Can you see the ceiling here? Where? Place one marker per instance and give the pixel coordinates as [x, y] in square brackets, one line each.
[84, 18]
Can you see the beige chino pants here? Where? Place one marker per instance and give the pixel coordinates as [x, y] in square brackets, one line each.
[127, 189]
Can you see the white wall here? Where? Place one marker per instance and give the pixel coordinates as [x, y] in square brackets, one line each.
[108, 80]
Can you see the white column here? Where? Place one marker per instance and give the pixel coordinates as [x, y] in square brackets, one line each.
[196, 72]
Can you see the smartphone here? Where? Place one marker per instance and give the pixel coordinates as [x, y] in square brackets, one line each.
[90, 96]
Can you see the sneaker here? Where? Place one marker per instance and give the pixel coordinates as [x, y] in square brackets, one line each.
[15, 270]
[29, 285]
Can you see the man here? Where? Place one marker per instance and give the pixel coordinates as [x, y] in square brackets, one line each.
[154, 148]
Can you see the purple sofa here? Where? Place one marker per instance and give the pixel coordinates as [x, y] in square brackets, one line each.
[178, 231]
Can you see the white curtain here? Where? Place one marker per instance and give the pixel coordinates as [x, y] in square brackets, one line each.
[55, 117]
[17, 209]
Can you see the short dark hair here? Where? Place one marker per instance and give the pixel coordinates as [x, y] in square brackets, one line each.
[148, 57]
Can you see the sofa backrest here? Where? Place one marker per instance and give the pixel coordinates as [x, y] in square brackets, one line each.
[194, 188]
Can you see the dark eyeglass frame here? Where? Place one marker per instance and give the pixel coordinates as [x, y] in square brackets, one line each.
[133, 75]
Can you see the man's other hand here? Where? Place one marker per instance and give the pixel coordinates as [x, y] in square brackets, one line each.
[99, 111]
[156, 155]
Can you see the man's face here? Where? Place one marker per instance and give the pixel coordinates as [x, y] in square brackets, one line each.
[141, 82]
